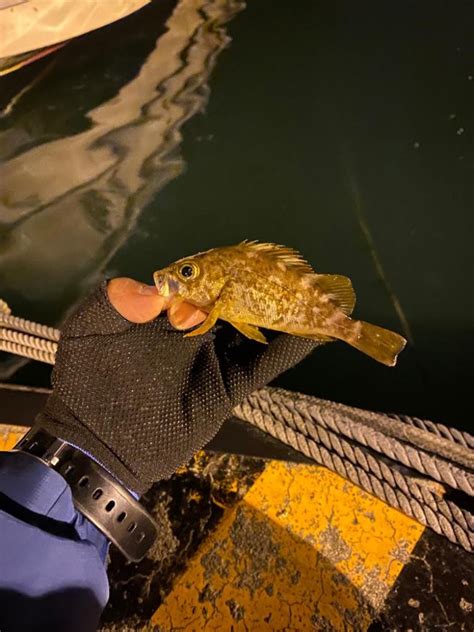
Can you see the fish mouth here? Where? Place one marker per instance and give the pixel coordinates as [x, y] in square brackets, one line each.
[165, 284]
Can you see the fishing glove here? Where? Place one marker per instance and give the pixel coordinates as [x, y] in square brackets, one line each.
[142, 398]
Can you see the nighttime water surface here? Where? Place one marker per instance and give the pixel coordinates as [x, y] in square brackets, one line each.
[343, 130]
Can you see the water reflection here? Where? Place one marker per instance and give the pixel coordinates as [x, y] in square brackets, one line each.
[68, 204]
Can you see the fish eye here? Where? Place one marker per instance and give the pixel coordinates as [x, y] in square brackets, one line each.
[188, 270]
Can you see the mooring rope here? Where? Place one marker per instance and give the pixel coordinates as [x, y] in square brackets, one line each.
[452, 434]
[26, 326]
[18, 337]
[303, 412]
[26, 352]
[26, 338]
[371, 472]
[405, 461]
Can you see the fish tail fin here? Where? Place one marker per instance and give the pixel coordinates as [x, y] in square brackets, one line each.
[378, 343]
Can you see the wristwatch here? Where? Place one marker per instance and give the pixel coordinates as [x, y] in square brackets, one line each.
[96, 494]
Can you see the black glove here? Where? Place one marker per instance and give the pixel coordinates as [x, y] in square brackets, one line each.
[142, 399]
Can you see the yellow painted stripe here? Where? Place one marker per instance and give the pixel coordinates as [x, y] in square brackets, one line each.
[303, 550]
[10, 435]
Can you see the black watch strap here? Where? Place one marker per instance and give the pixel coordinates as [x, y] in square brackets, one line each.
[96, 494]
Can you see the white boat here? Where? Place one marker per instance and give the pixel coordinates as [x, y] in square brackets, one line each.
[31, 29]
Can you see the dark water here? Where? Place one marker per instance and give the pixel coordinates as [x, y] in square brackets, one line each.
[342, 129]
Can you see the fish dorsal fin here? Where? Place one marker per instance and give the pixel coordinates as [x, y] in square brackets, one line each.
[281, 254]
[339, 289]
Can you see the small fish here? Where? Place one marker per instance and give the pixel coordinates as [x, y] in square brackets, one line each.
[254, 285]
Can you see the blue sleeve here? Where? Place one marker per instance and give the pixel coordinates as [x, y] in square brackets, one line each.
[52, 559]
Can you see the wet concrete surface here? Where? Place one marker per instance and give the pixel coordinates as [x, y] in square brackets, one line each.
[187, 508]
[435, 590]
[248, 544]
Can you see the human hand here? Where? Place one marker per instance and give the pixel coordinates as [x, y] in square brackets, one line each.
[141, 398]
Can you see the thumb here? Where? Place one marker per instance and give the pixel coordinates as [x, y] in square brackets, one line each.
[136, 302]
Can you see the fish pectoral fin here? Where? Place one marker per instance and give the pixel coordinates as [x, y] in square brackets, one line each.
[340, 290]
[206, 325]
[250, 331]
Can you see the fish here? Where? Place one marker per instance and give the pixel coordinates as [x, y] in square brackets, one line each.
[254, 285]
